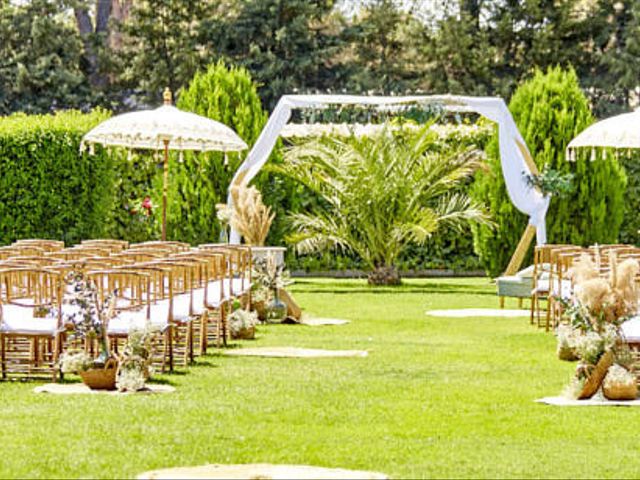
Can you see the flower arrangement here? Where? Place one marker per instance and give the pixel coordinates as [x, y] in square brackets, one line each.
[568, 339]
[74, 361]
[134, 367]
[598, 309]
[242, 323]
[224, 214]
[268, 275]
[89, 315]
[550, 182]
[250, 216]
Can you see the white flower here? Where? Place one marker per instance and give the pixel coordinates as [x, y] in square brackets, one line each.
[224, 213]
[242, 320]
[589, 347]
[618, 376]
[610, 336]
[130, 380]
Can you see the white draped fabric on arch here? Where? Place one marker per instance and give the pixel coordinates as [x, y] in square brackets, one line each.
[514, 155]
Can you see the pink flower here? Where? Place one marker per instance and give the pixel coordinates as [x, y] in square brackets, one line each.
[146, 204]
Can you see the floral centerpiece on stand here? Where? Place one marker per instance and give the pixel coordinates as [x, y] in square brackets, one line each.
[599, 307]
[269, 279]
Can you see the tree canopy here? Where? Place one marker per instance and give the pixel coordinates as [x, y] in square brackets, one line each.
[82, 53]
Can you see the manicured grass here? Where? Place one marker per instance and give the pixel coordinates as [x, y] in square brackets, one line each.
[436, 397]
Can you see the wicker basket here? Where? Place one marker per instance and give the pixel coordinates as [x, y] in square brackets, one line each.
[260, 309]
[101, 378]
[244, 334]
[620, 392]
[597, 375]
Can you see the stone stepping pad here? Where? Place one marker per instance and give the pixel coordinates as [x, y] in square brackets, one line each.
[260, 471]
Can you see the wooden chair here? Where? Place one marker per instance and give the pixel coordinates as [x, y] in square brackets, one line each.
[31, 326]
[212, 297]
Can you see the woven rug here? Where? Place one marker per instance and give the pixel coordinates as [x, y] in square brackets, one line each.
[319, 322]
[591, 402]
[479, 312]
[293, 352]
[81, 388]
[262, 471]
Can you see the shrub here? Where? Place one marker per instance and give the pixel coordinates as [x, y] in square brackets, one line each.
[227, 95]
[47, 188]
[550, 109]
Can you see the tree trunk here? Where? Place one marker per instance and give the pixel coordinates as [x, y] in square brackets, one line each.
[384, 275]
[93, 38]
[120, 13]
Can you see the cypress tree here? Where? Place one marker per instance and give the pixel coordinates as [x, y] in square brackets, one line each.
[200, 180]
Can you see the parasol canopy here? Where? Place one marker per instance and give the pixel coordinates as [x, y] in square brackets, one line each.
[148, 129]
[165, 128]
[621, 131]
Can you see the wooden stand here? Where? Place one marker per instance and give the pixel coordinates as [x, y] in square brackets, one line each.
[525, 241]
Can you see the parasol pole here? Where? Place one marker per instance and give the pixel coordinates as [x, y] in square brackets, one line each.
[165, 184]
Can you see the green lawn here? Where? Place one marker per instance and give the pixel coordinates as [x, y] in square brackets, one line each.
[436, 397]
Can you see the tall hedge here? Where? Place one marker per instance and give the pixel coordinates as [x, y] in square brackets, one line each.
[228, 95]
[550, 109]
[47, 188]
[630, 229]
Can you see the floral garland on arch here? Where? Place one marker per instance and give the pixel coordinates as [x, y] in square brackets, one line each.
[596, 312]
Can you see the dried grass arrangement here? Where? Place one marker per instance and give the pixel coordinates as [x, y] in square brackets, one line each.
[598, 309]
[250, 216]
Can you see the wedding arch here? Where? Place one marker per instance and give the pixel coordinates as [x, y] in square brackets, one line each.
[515, 159]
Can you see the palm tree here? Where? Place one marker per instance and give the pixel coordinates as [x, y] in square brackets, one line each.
[380, 194]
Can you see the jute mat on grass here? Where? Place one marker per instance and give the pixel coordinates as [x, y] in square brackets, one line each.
[479, 312]
[81, 388]
[259, 471]
[591, 402]
[319, 322]
[293, 352]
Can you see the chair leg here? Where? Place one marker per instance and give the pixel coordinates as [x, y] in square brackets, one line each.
[204, 322]
[501, 302]
[3, 356]
[534, 299]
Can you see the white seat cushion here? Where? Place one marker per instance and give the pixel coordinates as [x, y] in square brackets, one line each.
[181, 307]
[17, 320]
[126, 320]
[631, 330]
[563, 289]
[198, 307]
[240, 286]
[214, 298]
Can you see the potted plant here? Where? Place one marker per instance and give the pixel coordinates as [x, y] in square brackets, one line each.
[134, 363]
[88, 317]
[242, 324]
[596, 313]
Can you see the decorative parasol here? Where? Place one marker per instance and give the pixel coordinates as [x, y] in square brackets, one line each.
[620, 132]
[165, 128]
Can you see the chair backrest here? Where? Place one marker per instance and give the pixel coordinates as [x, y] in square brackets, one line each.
[46, 245]
[107, 243]
[31, 287]
[131, 287]
[162, 245]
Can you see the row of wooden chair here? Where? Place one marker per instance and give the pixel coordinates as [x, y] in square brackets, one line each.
[551, 279]
[185, 293]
